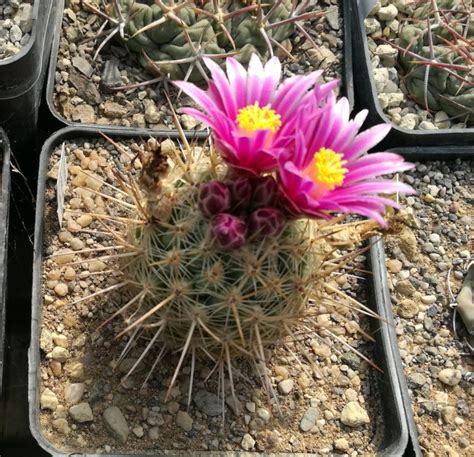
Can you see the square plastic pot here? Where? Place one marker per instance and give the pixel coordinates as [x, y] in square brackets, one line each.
[390, 383]
[366, 96]
[379, 270]
[4, 213]
[347, 84]
[23, 74]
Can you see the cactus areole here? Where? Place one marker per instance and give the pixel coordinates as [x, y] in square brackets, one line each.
[234, 240]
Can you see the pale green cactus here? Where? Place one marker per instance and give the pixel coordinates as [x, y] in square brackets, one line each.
[181, 32]
[448, 83]
[189, 294]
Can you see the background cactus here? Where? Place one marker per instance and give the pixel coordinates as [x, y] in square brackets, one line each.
[437, 54]
[171, 36]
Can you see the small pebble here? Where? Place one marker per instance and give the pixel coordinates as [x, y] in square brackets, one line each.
[247, 442]
[308, 420]
[285, 386]
[48, 400]
[184, 420]
[81, 412]
[353, 415]
[116, 424]
[450, 376]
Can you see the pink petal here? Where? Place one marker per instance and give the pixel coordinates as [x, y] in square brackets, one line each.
[272, 71]
[290, 93]
[350, 130]
[254, 80]
[322, 127]
[224, 89]
[366, 140]
[238, 81]
[383, 186]
[198, 95]
[321, 92]
[373, 169]
[200, 116]
[341, 117]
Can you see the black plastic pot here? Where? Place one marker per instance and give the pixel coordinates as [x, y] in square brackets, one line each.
[366, 97]
[380, 273]
[347, 85]
[429, 154]
[4, 212]
[394, 430]
[389, 343]
[22, 76]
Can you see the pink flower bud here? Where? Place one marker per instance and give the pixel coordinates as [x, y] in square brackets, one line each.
[265, 222]
[214, 198]
[241, 193]
[229, 230]
[265, 192]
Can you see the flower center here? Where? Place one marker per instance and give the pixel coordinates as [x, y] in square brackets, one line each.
[329, 168]
[254, 117]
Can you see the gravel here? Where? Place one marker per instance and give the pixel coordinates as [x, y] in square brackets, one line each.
[16, 19]
[354, 415]
[116, 424]
[435, 359]
[286, 386]
[81, 412]
[74, 392]
[48, 400]
[184, 420]
[308, 421]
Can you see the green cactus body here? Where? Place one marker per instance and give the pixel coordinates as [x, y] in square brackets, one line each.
[445, 91]
[186, 294]
[231, 302]
[167, 44]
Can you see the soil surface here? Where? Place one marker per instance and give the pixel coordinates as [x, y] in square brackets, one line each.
[325, 401]
[83, 90]
[430, 254]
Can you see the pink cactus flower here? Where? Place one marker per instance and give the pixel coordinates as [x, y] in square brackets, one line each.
[265, 191]
[214, 198]
[265, 222]
[329, 170]
[229, 231]
[251, 113]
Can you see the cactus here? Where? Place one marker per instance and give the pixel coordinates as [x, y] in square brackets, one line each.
[209, 280]
[223, 292]
[438, 58]
[222, 255]
[171, 37]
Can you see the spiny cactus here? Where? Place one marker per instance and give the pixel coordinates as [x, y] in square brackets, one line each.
[437, 54]
[212, 280]
[172, 36]
[222, 254]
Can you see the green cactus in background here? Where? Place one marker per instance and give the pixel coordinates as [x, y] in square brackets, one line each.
[437, 54]
[171, 36]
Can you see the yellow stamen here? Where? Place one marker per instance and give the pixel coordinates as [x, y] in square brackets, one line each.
[329, 168]
[254, 117]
